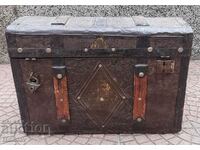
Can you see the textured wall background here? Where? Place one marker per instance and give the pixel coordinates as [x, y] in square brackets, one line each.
[191, 14]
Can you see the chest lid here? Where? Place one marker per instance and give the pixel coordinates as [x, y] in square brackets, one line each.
[64, 36]
[40, 25]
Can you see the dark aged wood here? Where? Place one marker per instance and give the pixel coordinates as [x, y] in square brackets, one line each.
[87, 80]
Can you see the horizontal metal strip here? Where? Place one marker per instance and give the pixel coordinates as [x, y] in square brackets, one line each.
[42, 53]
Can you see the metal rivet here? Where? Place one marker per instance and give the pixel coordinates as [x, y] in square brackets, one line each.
[102, 126]
[150, 49]
[48, 50]
[123, 97]
[59, 76]
[139, 119]
[86, 50]
[113, 49]
[19, 50]
[78, 97]
[101, 99]
[63, 120]
[61, 100]
[139, 99]
[180, 49]
[27, 59]
[100, 65]
[33, 59]
[141, 74]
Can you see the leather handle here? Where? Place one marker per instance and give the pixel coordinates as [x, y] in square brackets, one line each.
[60, 83]
[140, 92]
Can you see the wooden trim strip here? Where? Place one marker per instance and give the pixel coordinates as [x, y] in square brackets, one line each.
[140, 94]
[61, 97]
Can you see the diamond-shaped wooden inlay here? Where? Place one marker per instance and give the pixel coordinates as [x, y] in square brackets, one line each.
[100, 96]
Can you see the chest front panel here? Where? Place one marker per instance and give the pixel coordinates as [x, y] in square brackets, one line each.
[100, 95]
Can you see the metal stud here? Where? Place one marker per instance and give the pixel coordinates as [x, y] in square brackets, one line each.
[141, 74]
[102, 126]
[101, 99]
[139, 119]
[113, 49]
[61, 100]
[139, 99]
[63, 120]
[86, 50]
[150, 49]
[19, 50]
[27, 59]
[78, 97]
[180, 49]
[59, 76]
[123, 97]
[48, 50]
[33, 59]
[100, 65]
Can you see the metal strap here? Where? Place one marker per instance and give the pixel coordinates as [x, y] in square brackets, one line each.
[140, 21]
[60, 20]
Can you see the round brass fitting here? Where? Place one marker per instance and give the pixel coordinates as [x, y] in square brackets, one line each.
[63, 120]
[139, 119]
[48, 50]
[113, 49]
[150, 49]
[180, 49]
[20, 50]
[85, 49]
[59, 76]
[141, 74]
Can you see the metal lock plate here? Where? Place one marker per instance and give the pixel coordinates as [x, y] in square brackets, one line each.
[165, 66]
[33, 82]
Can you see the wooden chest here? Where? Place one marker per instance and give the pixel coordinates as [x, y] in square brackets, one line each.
[100, 74]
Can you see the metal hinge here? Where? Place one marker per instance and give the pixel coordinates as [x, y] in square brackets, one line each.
[165, 66]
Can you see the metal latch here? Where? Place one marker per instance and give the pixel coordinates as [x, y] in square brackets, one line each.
[33, 82]
[165, 66]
